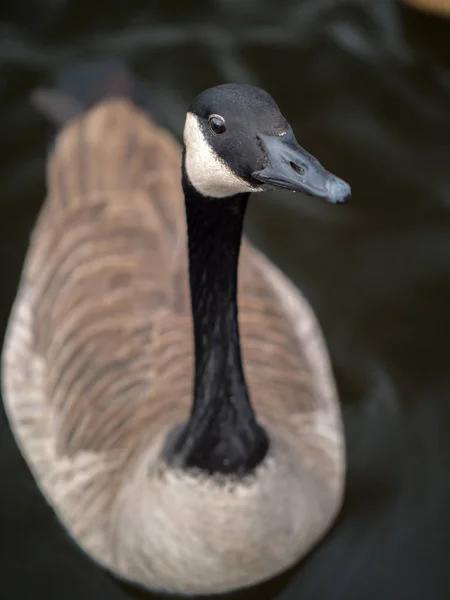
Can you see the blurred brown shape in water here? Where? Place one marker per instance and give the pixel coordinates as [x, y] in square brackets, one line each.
[438, 7]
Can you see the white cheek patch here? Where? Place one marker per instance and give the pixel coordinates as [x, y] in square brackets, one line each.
[206, 171]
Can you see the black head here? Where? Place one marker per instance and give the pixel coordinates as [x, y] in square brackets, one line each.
[237, 140]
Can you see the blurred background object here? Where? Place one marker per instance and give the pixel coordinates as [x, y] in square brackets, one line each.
[440, 7]
[366, 84]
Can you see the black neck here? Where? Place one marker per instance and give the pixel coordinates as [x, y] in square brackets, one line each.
[222, 434]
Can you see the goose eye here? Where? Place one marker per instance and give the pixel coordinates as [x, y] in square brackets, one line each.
[217, 123]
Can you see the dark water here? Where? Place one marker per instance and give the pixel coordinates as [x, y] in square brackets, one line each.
[366, 86]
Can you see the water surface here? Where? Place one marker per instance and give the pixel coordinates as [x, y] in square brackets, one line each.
[366, 86]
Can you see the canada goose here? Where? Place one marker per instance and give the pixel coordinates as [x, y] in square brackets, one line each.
[179, 474]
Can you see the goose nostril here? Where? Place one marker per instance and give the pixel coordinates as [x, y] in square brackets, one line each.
[297, 168]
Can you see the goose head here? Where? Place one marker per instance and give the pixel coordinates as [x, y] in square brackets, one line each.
[237, 141]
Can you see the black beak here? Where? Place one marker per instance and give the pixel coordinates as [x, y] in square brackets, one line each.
[288, 166]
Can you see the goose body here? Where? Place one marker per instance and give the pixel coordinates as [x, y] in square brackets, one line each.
[99, 369]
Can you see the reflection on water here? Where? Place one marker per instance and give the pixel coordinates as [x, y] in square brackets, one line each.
[367, 87]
